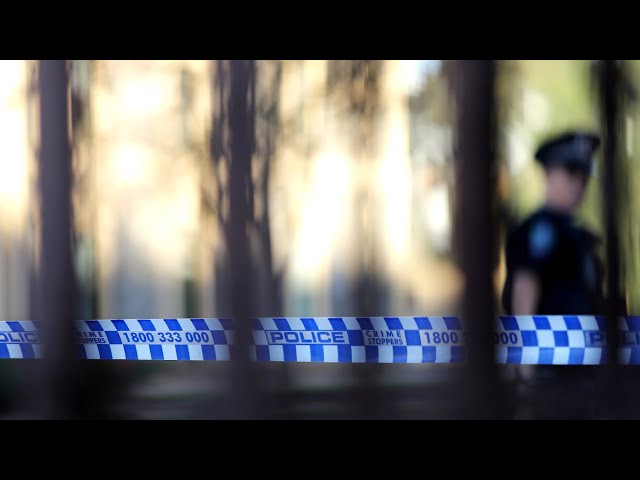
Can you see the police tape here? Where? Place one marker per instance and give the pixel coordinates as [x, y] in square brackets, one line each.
[551, 339]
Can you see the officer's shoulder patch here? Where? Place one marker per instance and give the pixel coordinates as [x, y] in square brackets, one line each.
[542, 238]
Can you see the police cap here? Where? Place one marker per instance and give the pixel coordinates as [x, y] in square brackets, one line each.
[573, 150]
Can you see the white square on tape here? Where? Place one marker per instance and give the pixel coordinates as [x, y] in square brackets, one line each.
[143, 351]
[259, 337]
[117, 352]
[408, 323]
[351, 323]
[557, 322]
[379, 323]
[525, 322]
[414, 354]
[592, 356]
[92, 351]
[222, 352]
[530, 355]
[276, 353]
[561, 356]
[295, 323]
[323, 323]
[443, 354]
[588, 322]
[358, 355]
[195, 352]
[545, 338]
[330, 353]
[385, 354]
[169, 352]
[14, 350]
[303, 353]
[576, 338]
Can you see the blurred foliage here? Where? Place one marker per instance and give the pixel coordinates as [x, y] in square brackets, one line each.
[630, 184]
[568, 101]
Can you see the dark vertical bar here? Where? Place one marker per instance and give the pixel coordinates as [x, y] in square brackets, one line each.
[363, 83]
[610, 113]
[268, 76]
[56, 282]
[474, 82]
[241, 147]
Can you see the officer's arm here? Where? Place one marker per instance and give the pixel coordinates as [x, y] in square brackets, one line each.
[525, 293]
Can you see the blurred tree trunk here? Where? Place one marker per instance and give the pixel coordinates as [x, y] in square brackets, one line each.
[246, 276]
[474, 87]
[55, 309]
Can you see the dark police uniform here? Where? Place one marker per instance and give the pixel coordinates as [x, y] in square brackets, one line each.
[563, 257]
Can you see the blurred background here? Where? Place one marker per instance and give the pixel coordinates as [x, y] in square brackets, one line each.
[350, 210]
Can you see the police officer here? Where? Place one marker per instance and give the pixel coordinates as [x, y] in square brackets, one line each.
[552, 264]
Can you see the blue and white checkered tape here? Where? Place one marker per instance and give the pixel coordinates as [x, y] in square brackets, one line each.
[551, 339]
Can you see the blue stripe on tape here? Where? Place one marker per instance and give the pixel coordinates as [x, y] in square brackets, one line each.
[423, 323]
[172, 324]
[412, 336]
[452, 323]
[130, 352]
[262, 353]
[208, 352]
[356, 337]
[399, 354]
[282, 324]
[310, 324]
[147, 325]
[337, 324]
[542, 323]
[227, 323]
[428, 354]
[344, 353]
[529, 338]
[94, 325]
[317, 353]
[27, 351]
[514, 354]
[104, 351]
[393, 323]
[633, 323]
[182, 352]
[561, 339]
[290, 354]
[255, 324]
[199, 324]
[572, 322]
[457, 354]
[113, 337]
[219, 338]
[509, 323]
[365, 323]
[545, 356]
[15, 326]
[156, 352]
[576, 356]
[371, 354]
[120, 325]
[4, 351]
